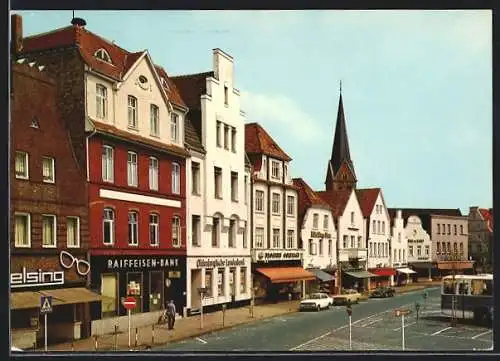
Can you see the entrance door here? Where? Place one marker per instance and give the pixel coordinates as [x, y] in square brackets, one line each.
[195, 284]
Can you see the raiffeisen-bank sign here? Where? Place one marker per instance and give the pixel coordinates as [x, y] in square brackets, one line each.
[40, 278]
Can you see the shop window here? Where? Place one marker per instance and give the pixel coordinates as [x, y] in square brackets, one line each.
[109, 292]
[134, 289]
[243, 280]
[208, 282]
[155, 290]
[232, 282]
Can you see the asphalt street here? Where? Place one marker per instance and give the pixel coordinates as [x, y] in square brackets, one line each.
[374, 327]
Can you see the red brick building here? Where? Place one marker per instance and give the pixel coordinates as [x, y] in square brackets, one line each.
[49, 220]
[127, 127]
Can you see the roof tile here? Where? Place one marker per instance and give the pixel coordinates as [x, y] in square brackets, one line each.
[258, 141]
[367, 198]
[307, 198]
[337, 200]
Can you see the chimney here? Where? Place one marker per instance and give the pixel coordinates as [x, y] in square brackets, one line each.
[16, 33]
[78, 22]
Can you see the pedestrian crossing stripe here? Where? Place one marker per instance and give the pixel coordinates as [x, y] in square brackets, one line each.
[46, 304]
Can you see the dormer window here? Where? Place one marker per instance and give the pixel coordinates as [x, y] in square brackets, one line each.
[103, 55]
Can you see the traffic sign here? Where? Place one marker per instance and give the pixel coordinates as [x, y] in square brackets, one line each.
[45, 304]
[401, 312]
[129, 303]
[349, 310]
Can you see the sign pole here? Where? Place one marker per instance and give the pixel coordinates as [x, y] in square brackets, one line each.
[350, 333]
[129, 325]
[45, 317]
[403, 329]
[201, 310]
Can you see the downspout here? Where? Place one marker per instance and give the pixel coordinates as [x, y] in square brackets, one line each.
[284, 204]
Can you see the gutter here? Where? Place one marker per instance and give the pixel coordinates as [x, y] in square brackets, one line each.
[94, 131]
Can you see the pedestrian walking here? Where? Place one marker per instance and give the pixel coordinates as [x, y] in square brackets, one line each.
[171, 314]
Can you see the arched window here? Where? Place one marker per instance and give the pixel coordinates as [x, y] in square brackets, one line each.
[133, 229]
[103, 55]
[108, 226]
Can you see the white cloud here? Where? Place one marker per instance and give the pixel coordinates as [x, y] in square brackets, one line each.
[281, 111]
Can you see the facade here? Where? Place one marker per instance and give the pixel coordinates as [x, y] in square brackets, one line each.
[218, 248]
[127, 128]
[419, 242]
[398, 246]
[480, 247]
[276, 254]
[49, 220]
[318, 237]
[378, 235]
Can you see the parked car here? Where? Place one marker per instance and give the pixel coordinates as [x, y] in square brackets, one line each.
[347, 297]
[316, 301]
[16, 349]
[382, 292]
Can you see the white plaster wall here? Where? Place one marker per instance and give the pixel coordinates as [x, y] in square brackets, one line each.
[379, 236]
[260, 218]
[414, 230]
[399, 242]
[195, 206]
[325, 260]
[344, 222]
[291, 221]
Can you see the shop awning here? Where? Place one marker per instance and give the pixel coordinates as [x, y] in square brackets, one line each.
[62, 296]
[360, 274]
[420, 265]
[383, 271]
[321, 275]
[405, 271]
[286, 274]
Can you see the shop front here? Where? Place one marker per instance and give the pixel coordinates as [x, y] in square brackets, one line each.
[62, 276]
[225, 279]
[383, 276]
[278, 275]
[151, 280]
[323, 282]
[404, 276]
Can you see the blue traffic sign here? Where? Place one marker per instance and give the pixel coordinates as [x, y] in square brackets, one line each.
[45, 304]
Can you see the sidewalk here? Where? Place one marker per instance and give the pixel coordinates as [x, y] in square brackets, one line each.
[184, 328]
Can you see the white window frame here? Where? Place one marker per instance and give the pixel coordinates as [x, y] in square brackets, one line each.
[132, 112]
[275, 202]
[218, 192]
[233, 139]
[234, 186]
[176, 178]
[290, 238]
[77, 232]
[54, 233]
[320, 247]
[325, 221]
[26, 164]
[218, 137]
[259, 200]
[51, 178]
[101, 95]
[231, 236]
[290, 206]
[276, 238]
[28, 229]
[176, 228]
[410, 251]
[259, 237]
[174, 127]
[352, 218]
[226, 137]
[275, 169]
[195, 178]
[315, 221]
[133, 232]
[153, 173]
[132, 176]
[330, 247]
[216, 224]
[111, 221]
[196, 229]
[107, 171]
[154, 120]
[154, 226]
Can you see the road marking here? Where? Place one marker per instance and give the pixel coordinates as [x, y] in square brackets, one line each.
[314, 339]
[371, 322]
[481, 334]
[438, 332]
[199, 339]
[408, 324]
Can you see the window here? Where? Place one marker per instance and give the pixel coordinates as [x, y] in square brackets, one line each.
[133, 229]
[461, 229]
[195, 231]
[455, 247]
[359, 241]
[410, 251]
[383, 227]
[352, 217]
[132, 169]
[419, 251]
[48, 230]
[285, 171]
[22, 230]
[156, 286]
[371, 248]
[320, 246]
[232, 233]
[154, 229]
[226, 136]
[276, 203]
[439, 229]
[461, 248]
[215, 232]
[226, 95]
[220, 282]
[101, 101]
[153, 173]
[399, 236]
[289, 238]
[427, 250]
[218, 182]
[245, 245]
[208, 282]
[374, 230]
[455, 229]
[48, 170]
[246, 188]
[275, 169]
[132, 112]
[330, 249]
[315, 220]
[438, 249]
[233, 139]
[154, 120]
[103, 55]
[109, 291]
[276, 238]
[259, 237]
[21, 165]
[378, 227]
[176, 178]
[217, 133]
[195, 178]
[353, 239]
[107, 164]
[449, 247]
[290, 206]
[449, 229]
[108, 226]
[344, 241]
[174, 128]
[176, 231]
[73, 232]
[259, 201]
[312, 248]
[243, 280]
[325, 222]
[134, 289]
[234, 186]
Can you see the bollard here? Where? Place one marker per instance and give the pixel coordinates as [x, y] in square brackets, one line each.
[136, 337]
[153, 335]
[95, 342]
[116, 337]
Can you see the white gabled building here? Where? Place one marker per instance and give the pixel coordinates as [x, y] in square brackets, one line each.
[399, 244]
[318, 237]
[218, 180]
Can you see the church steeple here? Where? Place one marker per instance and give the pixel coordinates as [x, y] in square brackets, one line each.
[340, 155]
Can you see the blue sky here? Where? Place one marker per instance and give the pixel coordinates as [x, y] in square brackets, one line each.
[416, 85]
